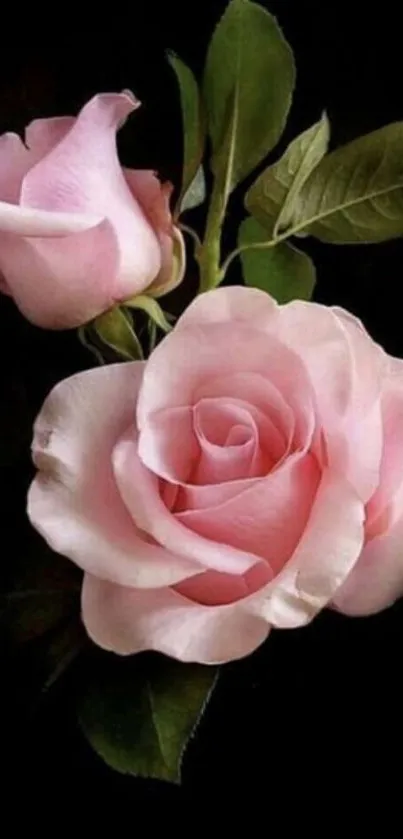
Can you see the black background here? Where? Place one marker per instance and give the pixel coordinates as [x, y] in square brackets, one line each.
[311, 723]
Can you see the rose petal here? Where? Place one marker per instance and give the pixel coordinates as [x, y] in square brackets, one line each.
[167, 444]
[213, 588]
[82, 174]
[231, 440]
[140, 491]
[232, 304]
[391, 471]
[327, 552]
[74, 502]
[153, 197]
[62, 282]
[127, 621]
[268, 517]
[256, 390]
[376, 581]
[188, 359]
[23, 221]
[346, 368]
[192, 497]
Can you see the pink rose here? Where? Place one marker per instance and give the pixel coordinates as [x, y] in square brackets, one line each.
[245, 476]
[78, 233]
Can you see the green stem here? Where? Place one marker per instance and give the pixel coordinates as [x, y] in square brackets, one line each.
[257, 246]
[209, 253]
[237, 252]
[192, 233]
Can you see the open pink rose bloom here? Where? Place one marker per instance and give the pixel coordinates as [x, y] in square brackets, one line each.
[247, 475]
[78, 233]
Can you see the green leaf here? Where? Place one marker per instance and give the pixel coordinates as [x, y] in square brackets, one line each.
[40, 590]
[248, 85]
[196, 192]
[152, 309]
[115, 329]
[283, 271]
[138, 713]
[25, 615]
[193, 125]
[355, 194]
[84, 335]
[271, 199]
[63, 648]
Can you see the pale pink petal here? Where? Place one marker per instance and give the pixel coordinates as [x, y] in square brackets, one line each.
[14, 164]
[42, 135]
[387, 494]
[167, 444]
[376, 581]
[25, 221]
[230, 440]
[82, 174]
[327, 552]
[189, 359]
[154, 198]
[268, 517]
[213, 588]
[141, 493]
[346, 369]
[192, 497]
[62, 282]
[127, 621]
[263, 399]
[74, 502]
[233, 304]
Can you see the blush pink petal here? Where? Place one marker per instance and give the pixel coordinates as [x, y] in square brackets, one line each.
[31, 222]
[167, 444]
[232, 304]
[82, 174]
[376, 581]
[388, 493]
[264, 400]
[213, 588]
[258, 519]
[61, 282]
[73, 501]
[127, 621]
[231, 441]
[346, 369]
[14, 163]
[188, 359]
[327, 552]
[154, 198]
[192, 497]
[141, 493]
